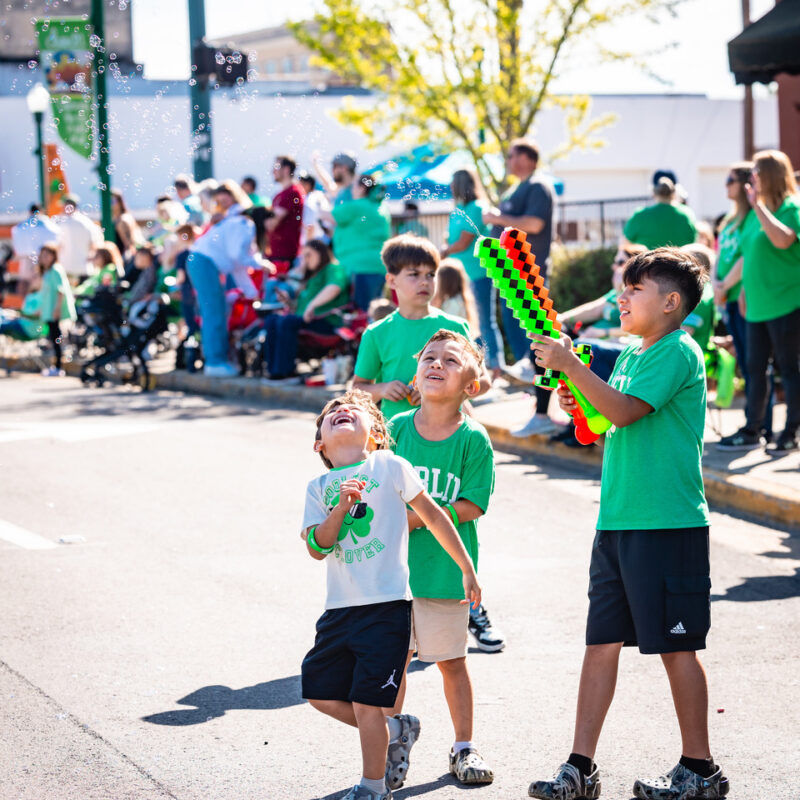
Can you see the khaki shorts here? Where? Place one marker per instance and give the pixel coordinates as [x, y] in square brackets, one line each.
[439, 628]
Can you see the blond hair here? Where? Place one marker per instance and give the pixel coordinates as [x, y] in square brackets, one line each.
[452, 281]
[777, 177]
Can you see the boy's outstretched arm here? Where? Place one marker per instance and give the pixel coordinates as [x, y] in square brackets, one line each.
[466, 511]
[438, 522]
[557, 354]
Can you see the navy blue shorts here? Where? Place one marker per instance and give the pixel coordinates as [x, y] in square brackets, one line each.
[359, 654]
[650, 588]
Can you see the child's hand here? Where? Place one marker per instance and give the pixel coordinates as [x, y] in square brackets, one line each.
[555, 354]
[472, 591]
[395, 391]
[565, 399]
[350, 493]
[414, 397]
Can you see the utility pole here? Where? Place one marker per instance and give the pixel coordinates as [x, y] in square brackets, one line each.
[100, 67]
[202, 164]
[747, 107]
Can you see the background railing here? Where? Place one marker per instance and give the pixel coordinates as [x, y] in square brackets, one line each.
[596, 223]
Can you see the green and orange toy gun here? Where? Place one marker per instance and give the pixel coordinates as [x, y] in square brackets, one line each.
[508, 261]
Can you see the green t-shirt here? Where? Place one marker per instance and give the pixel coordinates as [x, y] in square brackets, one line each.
[362, 226]
[467, 218]
[771, 276]
[107, 276]
[459, 467]
[54, 281]
[729, 252]
[661, 224]
[652, 475]
[331, 274]
[703, 318]
[387, 350]
[31, 306]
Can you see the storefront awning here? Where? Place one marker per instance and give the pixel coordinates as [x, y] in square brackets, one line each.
[768, 47]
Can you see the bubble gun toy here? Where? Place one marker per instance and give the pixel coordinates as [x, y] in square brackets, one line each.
[509, 263]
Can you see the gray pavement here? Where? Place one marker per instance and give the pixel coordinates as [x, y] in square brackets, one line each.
[158, 654]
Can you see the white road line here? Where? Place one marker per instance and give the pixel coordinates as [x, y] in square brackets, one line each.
[23, 538]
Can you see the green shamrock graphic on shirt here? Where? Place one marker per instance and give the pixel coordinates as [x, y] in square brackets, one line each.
[356, 522]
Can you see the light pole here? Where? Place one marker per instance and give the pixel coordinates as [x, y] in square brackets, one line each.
[38, 98]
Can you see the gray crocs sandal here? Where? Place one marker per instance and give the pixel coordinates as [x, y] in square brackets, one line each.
[680, 783]
[397, 759]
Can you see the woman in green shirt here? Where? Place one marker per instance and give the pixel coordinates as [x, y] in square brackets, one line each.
[326, 288]
[362, 226]
[56, 301]
[770, 297]
[109, 270]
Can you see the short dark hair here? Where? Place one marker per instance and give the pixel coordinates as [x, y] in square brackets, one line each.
[526, 146]
[307, 179]
[34, 209]
[287, 161]
[407, 250]
[250, 179]
[181, 184]
[673, 269]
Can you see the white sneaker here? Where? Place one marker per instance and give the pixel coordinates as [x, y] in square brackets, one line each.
[521, 372]
[221, 371]
[537, 425]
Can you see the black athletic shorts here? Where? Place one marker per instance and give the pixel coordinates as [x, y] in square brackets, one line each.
[650, 588]
[359, 654]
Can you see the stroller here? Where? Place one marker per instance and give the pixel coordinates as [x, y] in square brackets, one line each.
[147, 320]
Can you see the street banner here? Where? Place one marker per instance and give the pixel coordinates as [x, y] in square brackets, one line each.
[65, 57]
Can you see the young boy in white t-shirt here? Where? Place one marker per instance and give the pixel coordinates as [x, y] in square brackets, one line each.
[356, 513]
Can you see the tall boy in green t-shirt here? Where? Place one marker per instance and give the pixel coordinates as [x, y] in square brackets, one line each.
[385, 364]
[649, 576]
[453, 456]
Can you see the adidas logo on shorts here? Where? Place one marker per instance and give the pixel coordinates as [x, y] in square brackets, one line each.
[678, 628]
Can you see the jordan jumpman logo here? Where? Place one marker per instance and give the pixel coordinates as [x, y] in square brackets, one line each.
[391, 682]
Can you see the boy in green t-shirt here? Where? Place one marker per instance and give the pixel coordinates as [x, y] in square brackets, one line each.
[649, 576]
[453, 456]
[385, 364]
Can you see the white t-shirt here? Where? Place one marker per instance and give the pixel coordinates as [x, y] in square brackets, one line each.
[315, 203]
[78, 236]
[370, 561]
[27, 238]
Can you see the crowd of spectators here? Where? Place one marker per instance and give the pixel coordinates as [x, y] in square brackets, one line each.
[313, 250]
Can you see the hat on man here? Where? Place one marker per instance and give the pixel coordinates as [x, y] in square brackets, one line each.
[345, 160]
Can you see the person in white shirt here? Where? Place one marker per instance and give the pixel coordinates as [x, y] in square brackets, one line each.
[27, 239]
[355, 520]
[315, 203]
[227, 248]
[79, 237]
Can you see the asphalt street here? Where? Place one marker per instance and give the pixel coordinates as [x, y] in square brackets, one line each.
[156, 604]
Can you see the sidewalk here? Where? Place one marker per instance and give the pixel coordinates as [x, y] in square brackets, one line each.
[753, 483]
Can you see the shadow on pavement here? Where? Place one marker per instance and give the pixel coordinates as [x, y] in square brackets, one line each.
[445, 781]
[214, 701]
[769, 587]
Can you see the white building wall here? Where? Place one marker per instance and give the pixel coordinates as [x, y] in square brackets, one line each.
[695, 136]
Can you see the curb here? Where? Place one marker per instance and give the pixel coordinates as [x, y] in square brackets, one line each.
[751, 497]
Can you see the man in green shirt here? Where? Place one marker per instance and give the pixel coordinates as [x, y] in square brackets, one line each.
[649, 573]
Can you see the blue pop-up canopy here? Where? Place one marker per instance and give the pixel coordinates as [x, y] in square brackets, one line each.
[424, 174]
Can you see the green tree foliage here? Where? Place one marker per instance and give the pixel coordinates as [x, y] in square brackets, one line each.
[467, 73]
[578, 276]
